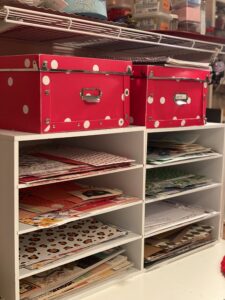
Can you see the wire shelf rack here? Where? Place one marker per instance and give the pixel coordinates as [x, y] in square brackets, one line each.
[79, 33]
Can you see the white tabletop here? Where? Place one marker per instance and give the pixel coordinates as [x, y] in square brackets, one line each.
[196, 277]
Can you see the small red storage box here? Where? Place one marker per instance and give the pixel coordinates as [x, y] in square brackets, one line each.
[49, 93]
[168, 96]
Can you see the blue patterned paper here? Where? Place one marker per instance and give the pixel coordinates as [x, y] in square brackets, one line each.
[95, 8]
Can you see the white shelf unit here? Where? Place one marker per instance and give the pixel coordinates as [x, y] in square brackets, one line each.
[208, 197]
[130, 217]
[131, 142]
[30, 31]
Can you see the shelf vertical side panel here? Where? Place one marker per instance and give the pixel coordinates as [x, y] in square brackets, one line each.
[223, 189]
[9, 264]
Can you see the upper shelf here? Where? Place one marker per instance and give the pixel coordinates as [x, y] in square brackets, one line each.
[74, 33]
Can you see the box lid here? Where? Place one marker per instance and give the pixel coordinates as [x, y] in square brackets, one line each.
[57, 63]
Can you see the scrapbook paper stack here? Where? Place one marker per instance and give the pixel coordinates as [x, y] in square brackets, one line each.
[165, 214]
[168, 181]
[75, 276]
[52, 163]
[176, 242]
[57, 204]
[43, 247]
[173, 148]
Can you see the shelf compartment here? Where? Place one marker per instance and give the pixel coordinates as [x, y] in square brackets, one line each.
[77, 33]
[188, 161]
[82, 176]
[117, 142]
[208, 126]
[215, 222]
[189, 222]
[132, 251]
[180, 256]
[24, 228]
[130, 237]
[188, 192]
[119, 181]
[97, 287]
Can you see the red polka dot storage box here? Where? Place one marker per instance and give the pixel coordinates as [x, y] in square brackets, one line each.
[49, 93]
[168, 96]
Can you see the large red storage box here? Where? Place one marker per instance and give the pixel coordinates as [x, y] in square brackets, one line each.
[49, 93]
[168, 96]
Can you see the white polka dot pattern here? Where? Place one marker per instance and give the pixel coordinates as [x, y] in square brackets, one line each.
[162, 100]
[183, 123]
[121, 122]
[25, 109]
[150, 100]
[67, 120]
[10, 81]
[156, 124]
[27, 63]
[87, 124]
[174, 118]
[46, 80]
[96, 68]
[123, 97]
[54, 64]
[189, 100]
[47, 128]
[107, 118]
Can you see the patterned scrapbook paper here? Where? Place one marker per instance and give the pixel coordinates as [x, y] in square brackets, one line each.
[51, 219]
[58, 218]
[24, 214]
[36, 204]
[176, 242]
[27, 289]
[91, 193]
[55, 163]
[79, 155]
[31, 165]
[45, 246]
[105, 270]
[170, 181]
[52, 279]
[163, 214]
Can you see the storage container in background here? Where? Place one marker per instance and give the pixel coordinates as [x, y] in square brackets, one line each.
[191, 15]
[151, 6]
[49, 93]
[189, 26]
[120, 3]
[119, 10]
[168, 96]
[155, 21]
[182, 3]
[92, 8]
